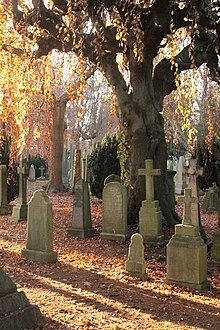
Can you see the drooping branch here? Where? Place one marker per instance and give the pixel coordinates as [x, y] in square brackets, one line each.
[165, 72]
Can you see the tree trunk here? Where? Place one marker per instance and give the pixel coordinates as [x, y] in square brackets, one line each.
[55, 183]
[141, 112]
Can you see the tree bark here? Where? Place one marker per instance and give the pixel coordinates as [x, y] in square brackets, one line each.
[55, 183]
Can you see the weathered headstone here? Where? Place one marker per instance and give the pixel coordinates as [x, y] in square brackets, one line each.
[39, 245]
[42, 177]
[150, 215]
[205, 203]
[3, 190]
[213, 198]
[136, 264]
[171, 189]
[16, 312]
[112, 178]
[114, 212]
[32, 173]
[65, 167]
[19, 211]
[71, 165]
[215, 250]
[82, 222]
[180, 178]
[186, 251]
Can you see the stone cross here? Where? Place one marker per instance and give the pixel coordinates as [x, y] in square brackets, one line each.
[22, 170]
[188, 200]
[41, 171]
[193, 172]
[149, 172]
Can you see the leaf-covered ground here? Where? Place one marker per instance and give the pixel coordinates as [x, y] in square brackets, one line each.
[88, 289]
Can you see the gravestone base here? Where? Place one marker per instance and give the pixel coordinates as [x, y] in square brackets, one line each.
[19, 213]
[187, 258]
[150, 222]
[39, 256]
[140, 275]
[3, 209]
[41, 178]
[16, 312]
[215, 251]
[80, 233]
[114, 237]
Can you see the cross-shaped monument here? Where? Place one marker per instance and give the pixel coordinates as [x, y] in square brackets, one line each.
[42, 177]
[150, 215]
[188, 200]
[149, 172]
[193, 172]
[19, 211]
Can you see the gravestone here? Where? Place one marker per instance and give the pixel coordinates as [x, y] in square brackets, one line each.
[205, 203]
[114, 212]
[82, 222]
[65, 167]
[171, 188]
[39, 245]
[136, 264]
[77, 169]
[71, 165]
[16, 312]
[186, 251]
[3, 190]
[180, 178]
[215, 250]
[213, 198]
[150, 215]
[41, 177]
[19, 211]
[32, 173]
[112, 178]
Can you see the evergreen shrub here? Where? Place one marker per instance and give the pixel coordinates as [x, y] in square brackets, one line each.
[103, 161]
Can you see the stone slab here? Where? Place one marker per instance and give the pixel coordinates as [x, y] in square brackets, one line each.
[80, 233]
[19, 213]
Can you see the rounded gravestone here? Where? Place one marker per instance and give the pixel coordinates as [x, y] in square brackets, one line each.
[112, 178]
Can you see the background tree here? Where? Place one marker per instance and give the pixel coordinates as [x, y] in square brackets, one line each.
[100, 30]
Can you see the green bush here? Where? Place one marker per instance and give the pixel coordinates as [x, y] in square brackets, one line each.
[103, 161]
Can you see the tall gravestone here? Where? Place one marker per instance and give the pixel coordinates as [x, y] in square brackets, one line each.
[114, 211]
[3, 190]
[19, 211]
[136, 264]
[39, 245]
[180, 178]
[186, 251]
[215, 251]
[193, 172]
[71, 165]
[65, 167]
[16, 312]
[32, 173]
[150, 215]
[82, 222]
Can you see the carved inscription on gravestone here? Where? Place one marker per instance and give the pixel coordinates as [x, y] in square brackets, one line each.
[114, 225]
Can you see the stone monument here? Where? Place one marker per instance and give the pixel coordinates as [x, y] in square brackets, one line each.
[136, 264]
[150, 215]
[186, 251]
[32, 173]
[3, 190]
[114, 211]
[82, 222]
[41, 177]
[19, 211]
[16, 312]
[180, 178]
[193, 172]
[215, 250]
[39, 245]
